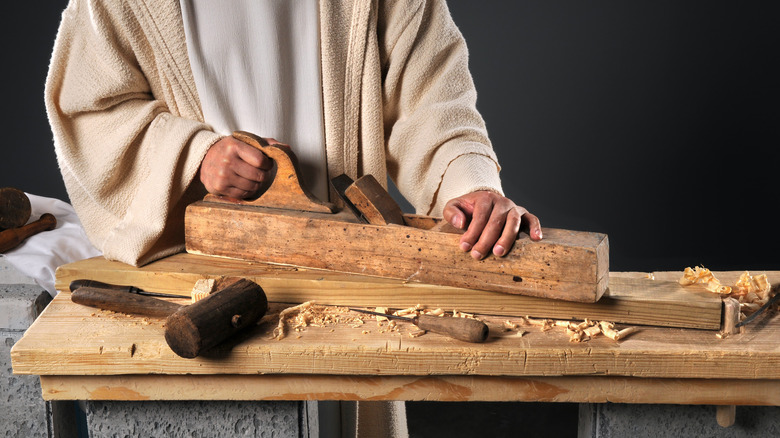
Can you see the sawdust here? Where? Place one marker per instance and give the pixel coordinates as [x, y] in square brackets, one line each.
[309, 314]
[299, 318]
[578, 331]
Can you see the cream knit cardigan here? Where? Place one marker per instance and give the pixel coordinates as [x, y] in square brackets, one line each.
[129, 134]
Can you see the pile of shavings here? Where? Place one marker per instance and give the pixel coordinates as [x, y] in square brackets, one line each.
[752, 291]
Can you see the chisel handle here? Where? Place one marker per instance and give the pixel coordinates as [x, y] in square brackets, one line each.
[124, 302]
[463, 329]
[12, 237]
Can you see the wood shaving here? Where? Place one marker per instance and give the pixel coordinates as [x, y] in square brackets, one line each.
[592, 331]
[752, 291]
[409, 311]
[703, 276]
[308, 314]
[509, 325]
[381, 310]
[281, 328]
[544, 324]
[417, 333]
[203, 288]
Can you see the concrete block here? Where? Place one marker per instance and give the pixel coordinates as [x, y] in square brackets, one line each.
[23, 413]
[20, 304]
[202, 418]
[644, 420]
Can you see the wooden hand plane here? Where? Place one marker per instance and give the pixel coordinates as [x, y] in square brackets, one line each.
[287, 225]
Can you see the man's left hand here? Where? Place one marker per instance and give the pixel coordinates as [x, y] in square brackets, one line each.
[491, 221]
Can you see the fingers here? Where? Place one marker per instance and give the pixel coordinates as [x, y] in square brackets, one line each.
[509, 232]
[482, 231]
[493, 223]
[234, 168]
[534, 226]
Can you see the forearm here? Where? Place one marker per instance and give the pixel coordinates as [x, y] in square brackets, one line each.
[430, 115]
[128, 149]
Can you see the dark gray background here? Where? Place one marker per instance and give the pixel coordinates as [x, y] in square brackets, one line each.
[652, 121]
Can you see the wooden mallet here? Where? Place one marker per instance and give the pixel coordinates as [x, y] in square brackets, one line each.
[189, 329]
[12, 237]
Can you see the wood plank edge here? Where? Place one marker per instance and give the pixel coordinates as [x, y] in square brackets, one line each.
[570, 389]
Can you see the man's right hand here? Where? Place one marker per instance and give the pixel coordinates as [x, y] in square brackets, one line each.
[235, 169]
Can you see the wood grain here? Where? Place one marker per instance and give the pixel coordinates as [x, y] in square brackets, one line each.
[568, 389]
[566, 265]
[632, 298]
[68, 339]
[373, 201]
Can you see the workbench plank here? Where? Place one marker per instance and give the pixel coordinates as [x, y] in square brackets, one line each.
[68, 339]
[567, 389]
[632, 298]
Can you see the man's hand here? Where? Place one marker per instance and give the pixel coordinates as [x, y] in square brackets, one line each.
[234, 168]
[491, 222]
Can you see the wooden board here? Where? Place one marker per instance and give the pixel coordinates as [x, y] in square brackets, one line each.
[567, 389]
[566, 265]
[632, 297]
[69, 339]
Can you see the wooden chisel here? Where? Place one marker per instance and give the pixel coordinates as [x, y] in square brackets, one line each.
[75, 284]
[463, 329]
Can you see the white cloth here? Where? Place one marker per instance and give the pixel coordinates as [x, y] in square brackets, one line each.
[256, 65]
[39, 256]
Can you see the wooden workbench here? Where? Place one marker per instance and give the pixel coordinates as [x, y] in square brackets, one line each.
[85, 353]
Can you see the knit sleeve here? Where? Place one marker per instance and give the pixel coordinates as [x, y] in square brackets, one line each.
[127, 135]
[430, 118]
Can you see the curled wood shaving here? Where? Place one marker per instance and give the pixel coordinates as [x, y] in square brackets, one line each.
[280, 330]
[409, 311]
[545, 324]
[592, 331]
[417, 333]
[757, 285]
[625, 332]
[752, 291]
[703, 276]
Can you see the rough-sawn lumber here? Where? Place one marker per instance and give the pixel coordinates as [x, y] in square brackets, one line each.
[565, 265]
[632, 298]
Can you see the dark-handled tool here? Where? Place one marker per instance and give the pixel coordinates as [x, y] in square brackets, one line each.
[12, 237]
[761, 310]
[463, 329]
[75, 284]
[190, 329]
